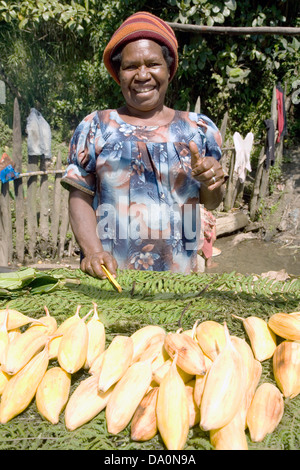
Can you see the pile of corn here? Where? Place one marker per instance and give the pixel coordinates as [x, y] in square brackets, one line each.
[157, 382]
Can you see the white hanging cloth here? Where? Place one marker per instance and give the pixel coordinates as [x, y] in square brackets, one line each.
[243, 149]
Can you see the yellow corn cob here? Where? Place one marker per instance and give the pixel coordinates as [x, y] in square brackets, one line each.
[144, 422]
[190, 356]
[127, 395]
[48, 324]
[194, 411]
[61, 330]
[265, 411]
[256, 375]
[4, 338]
[85, 403]
[143, 337]
[72, 349]
[96, 342]
[200, 382]
[160, 372]
[117, 359]
[224, 388]
[4, 378]
[21, 388]
[52, 393]
[21, 350]
[16, 319]
[172, 409]
[211, 338]
[262, 338]
[285, 325]
[230, 437]
[286, 368]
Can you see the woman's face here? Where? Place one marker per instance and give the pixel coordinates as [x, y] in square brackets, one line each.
[144, 76]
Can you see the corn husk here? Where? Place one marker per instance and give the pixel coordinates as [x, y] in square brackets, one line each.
[250, 390]
[172, 409]
[4, 337]
[4, 378]
[225, 384]
[61, 330]
[12, 334]
[22, 349]
[265, 411]
[211, 338]
[47, 325]
[127, 395]
[16, 319]
[190, 356]
[285, 325]
[262, 338]
[247, 356]
[21, 388]
[194, 411]
[232, 436]
[160, 372]
[286, 368]
[72, 349]
[200, 382]
[53, 393]
[96, 365]
[144, 421]
[143, 337]
[96, 338]
[157, 352]
[85, 403]
[118, 357]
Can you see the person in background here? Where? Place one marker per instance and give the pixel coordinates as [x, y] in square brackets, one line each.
[138, 175]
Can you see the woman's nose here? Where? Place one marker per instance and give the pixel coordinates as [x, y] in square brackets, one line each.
[143, 73]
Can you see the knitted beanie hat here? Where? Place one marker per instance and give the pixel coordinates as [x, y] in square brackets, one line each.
[141, 25]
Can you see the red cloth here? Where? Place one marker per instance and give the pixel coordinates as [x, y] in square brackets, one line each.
[280, 113]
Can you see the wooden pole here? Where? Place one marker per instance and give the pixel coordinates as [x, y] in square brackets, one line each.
[231, 30]
[56, 206]
[32, 205]
[18, 184]
[44, 201]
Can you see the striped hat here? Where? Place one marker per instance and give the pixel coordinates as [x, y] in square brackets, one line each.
[141, 25]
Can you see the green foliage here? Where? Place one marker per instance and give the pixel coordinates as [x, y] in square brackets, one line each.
[51, 51]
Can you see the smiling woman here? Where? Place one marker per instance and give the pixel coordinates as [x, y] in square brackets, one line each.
[138, 175]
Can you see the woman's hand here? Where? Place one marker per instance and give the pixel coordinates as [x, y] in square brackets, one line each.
[91, 264]
[206, 170]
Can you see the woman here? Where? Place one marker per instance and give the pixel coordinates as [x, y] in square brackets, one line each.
[137, 175]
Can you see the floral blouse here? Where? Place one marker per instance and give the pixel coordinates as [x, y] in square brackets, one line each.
[145, 199]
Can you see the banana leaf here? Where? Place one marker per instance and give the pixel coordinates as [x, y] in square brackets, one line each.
[31, 281]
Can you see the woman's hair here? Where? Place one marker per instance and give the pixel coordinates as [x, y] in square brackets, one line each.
[116, 58]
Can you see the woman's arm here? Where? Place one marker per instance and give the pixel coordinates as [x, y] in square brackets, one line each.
[84, 225]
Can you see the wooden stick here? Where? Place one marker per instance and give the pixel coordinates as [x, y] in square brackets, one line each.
[265, 30]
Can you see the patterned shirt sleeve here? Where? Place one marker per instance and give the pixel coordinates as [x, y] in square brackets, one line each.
[80, 172]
